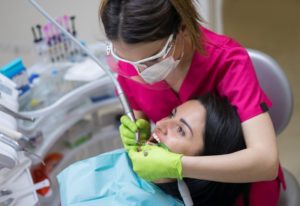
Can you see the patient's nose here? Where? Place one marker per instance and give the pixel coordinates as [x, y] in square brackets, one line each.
[161, 127]
[164, 126]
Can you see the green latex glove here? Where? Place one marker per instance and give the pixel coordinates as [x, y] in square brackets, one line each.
[128, 129]
[155, 162]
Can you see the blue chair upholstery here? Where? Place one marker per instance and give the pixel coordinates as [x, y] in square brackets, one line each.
[276, 85]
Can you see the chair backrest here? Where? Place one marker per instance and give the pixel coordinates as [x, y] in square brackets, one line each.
[276, 86]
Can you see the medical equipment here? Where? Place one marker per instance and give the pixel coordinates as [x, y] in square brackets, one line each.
[74, 32]
[8, 157]
[65, 103]
[14, 165]
[128, 111]
[8, 96]
[53, 46]
[7, 194]
[16, 71]
[11, 137]
[15, 135]
[17, 146]
[14, 114]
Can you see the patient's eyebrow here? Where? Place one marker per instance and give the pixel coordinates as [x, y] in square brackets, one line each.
[186, 124]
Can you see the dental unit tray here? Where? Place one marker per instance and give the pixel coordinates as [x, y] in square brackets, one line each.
[101, 88]
[53, 92]
[53, 135]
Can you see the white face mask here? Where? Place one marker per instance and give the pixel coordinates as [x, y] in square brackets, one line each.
[157, 72]
[160, 70]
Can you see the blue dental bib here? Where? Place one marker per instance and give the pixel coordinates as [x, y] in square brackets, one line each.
[108, 179]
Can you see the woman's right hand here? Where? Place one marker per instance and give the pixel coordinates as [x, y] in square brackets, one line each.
[154, 162]
[128, 129]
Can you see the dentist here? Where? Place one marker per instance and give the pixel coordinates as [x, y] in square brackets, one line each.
[164, 57]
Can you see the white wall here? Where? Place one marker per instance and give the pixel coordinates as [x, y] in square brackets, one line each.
[17, 17]
[211, 12]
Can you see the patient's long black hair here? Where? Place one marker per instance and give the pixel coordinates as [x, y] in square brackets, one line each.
[222, 135]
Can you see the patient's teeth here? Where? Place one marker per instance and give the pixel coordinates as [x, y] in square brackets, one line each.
[156, 137]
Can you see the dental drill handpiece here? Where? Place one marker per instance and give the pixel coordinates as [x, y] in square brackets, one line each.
[127, 109]
[129, 113]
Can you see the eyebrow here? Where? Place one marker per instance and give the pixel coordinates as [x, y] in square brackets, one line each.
[184, 122]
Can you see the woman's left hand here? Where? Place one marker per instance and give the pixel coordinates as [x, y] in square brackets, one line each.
[154, 162]
[128, 129]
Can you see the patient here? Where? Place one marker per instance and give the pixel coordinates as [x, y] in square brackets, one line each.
[208, 125]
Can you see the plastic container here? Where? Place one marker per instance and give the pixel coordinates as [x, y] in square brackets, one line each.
[16, 71]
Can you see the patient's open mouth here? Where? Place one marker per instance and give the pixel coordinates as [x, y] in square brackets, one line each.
[154, 139]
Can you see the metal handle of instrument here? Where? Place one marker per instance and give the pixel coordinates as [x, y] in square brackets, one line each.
[15, 114]
[16, 146]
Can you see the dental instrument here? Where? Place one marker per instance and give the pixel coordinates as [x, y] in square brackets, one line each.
[127, 109]
[73, 26]
[7, 194]
[16, 146]
[39, 28]
[14, 114]
[35, 39]
[14, 173]
[33, 141]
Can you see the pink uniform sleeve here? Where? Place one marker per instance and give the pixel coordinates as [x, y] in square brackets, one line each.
[240, 84]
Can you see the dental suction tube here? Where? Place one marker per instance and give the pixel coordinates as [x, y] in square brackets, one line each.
[127, 109]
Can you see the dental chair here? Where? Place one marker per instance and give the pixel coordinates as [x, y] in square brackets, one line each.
[276, 85]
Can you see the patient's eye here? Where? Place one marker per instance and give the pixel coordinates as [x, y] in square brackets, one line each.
[181, 131]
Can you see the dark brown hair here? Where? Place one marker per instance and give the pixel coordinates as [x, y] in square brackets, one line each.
[135, 21]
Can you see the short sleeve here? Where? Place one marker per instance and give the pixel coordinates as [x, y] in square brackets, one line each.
[240, 84]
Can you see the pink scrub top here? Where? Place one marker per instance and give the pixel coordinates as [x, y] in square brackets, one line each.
[225, 68]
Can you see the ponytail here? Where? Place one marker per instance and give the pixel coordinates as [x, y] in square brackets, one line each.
[191, 19]
[102, 7]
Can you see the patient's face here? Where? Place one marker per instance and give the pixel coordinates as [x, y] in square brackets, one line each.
[182, 130]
